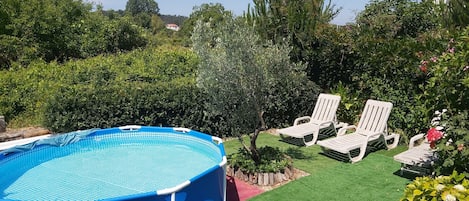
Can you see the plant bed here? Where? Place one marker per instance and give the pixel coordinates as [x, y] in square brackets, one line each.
[274, 169]
[266, 179]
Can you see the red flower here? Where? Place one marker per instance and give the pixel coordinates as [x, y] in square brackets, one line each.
[423, 68]
[433, 135]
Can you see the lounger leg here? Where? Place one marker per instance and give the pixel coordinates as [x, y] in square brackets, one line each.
[360, 155]
[310, 142]
[395, 138]
[315, 138]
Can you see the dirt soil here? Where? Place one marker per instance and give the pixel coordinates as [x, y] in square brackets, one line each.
[20, 133]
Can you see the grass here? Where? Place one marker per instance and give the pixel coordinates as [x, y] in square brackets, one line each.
[375, 178]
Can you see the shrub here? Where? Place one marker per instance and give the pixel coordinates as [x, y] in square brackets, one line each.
[273, 160]
[350, 103]
[27, 92]
[155, 86]
[110, 104]
[453, 187]
[453, 148]
[448, 75]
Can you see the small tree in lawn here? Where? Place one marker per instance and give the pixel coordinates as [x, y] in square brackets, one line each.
[243, 77]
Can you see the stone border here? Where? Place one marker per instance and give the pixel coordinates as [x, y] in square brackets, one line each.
[266, 179]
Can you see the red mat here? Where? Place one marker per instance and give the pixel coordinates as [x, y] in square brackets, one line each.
[237, 190]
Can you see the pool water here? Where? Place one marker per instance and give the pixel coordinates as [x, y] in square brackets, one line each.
[105, 167]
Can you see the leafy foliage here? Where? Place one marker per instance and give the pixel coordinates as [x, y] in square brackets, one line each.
[388, 41]
[212, 13]
[302, 24]
[349, 105]
[243, 78]
[60, 30]
[273, 160]
[453, 149]
[393, 19]
[448, 75]
[140, 87]
[136, 7]
[278, 20]
[453, 187]
[454, 14]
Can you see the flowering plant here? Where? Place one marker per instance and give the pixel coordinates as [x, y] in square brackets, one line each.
[446, 188]
[433, 135]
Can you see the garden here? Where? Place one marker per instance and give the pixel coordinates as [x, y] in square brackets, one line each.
[237, 76]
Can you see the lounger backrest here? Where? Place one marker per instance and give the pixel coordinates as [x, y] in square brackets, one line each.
[374, 118]
[326, 107]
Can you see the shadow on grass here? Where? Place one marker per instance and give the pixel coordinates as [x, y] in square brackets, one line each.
[372, 147]
[297, 153]
[407, 175]
[293, 141]
[299, 141]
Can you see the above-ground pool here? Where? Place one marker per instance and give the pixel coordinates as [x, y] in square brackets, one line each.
[125, 163]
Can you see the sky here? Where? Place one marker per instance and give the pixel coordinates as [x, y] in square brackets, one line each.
[349, 10]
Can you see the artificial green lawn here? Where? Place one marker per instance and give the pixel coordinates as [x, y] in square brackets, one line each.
[376, 177]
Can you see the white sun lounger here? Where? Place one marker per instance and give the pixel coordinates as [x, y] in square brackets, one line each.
[323, 117]
[372, 126]
[419, 158]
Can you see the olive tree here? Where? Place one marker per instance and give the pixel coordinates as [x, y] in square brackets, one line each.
[243, 76]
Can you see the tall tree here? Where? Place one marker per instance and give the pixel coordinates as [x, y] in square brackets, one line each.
[213, 13]
[393, 19]
[142, 11]
[297, 19]
[243, 76]
[299, 22]
[458, 11]
[135, 7]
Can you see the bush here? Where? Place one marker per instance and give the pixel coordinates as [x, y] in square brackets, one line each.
[453, 187]
[350, 103]
[273, 160]
[387, 68]
[27, 91]
[448, 75]
[110, 104]
[453, 148]
[155, 86]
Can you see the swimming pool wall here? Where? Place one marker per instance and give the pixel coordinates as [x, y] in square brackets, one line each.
[208, 185]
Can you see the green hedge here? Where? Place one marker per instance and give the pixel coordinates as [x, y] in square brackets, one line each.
[31, 96]
[154, 86]
[104, 105]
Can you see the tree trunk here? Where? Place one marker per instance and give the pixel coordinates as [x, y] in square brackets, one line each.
[253, 148]
[255, 155]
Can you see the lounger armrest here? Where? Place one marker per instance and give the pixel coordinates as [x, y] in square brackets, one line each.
[344, 129]
[414, 139]
[373, 136]
[392, 136]
[325, 123]
[301, 120]
[340, 125]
